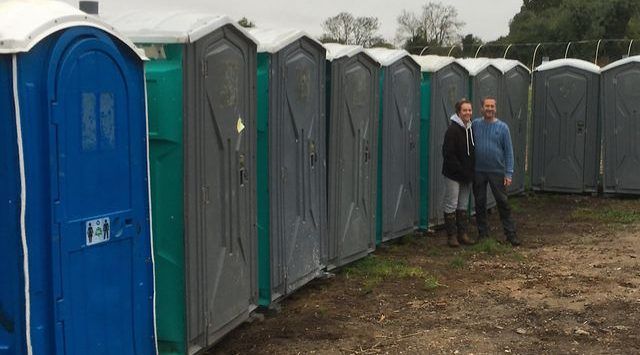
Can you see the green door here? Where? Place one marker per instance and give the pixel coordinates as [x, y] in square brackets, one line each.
[164, 96]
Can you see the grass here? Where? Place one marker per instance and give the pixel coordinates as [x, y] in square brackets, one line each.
[605, 215]
[458, 262]
[373, 270]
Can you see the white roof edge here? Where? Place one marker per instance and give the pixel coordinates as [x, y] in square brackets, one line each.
[272, 40]
[569, 62]
[432, 63]
[30, 21]
[337, 50]
[386, 56]
[170, 26]
[621, 62]
[476, 65]
[506, 65]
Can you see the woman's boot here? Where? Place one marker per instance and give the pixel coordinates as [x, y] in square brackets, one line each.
[450, 226]
[462, 222]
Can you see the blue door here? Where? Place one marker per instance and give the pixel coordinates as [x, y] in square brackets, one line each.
[101, 254]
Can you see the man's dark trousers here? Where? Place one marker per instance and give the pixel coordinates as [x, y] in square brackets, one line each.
[496, 182]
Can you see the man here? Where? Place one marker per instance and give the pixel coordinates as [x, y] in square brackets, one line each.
[494, 166]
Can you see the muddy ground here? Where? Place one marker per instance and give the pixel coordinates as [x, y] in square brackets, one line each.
[572, 287]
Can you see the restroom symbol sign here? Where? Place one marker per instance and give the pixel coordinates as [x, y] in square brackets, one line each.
[98, 231]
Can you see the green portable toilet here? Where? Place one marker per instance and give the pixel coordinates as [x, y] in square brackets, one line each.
[428, 65]
[447, 82]
[292, 199]
[201, 101]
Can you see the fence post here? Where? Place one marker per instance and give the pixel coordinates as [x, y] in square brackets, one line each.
[566, 52]
[597, 50]
[507, 51]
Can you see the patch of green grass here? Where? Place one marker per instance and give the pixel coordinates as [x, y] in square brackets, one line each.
[431, 283]
[373, 270]
[605, 215]
[458, 262]
[491, 246]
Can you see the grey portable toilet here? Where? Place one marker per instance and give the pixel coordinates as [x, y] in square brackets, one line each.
[484, 80]
[201, 93]
[565, 145]
[449, 83]
[292, 198]
[513, 109]
[352, 107]
[620, 108]
[398, 144]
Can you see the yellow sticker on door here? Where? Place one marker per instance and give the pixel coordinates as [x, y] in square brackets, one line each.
[239, 125]
[98, 231]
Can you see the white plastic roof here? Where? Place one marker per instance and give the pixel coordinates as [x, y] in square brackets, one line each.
[181, 26]
[575, 63]
[621, 62]
[504, 65]
[272, 40]
[386, 56]
[432, 63]
[475, 65]
[337, 50]
[24, 23]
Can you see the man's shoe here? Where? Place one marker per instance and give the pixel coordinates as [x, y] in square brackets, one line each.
[513, 240]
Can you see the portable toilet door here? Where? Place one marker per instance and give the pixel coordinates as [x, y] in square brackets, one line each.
[201, 86]
[620, 104]
[352, 104]
[449, 82]
[399, 140]
[565, 145]
[513, 109]
[292, 197]
[11, 283]
[80, 120]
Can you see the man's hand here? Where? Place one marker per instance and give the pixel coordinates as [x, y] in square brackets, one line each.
[507, 182]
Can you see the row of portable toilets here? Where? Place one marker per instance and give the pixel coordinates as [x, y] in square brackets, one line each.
[267, 159]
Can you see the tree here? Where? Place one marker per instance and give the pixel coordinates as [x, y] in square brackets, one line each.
[470, 44]
[245, 22]
[346, 29]
[437, 25]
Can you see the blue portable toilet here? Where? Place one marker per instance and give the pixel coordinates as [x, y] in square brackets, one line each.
[75, 246]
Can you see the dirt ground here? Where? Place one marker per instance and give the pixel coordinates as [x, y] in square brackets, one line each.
[572, 287]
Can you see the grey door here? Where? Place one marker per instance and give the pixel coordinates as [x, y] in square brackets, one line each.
[486, 83]
[297, 145]
[352, 147]
[450, 84]
[400, 165]
[514, 110]
[565, 124]
[220, 243]
[621, 124]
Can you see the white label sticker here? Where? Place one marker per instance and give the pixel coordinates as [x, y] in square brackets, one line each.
[239, 125]
[98, 230]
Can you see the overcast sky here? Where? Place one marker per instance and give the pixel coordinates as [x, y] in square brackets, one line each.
[488, 19]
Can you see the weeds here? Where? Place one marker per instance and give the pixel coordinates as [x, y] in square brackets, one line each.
[374, 270]
[605, 215]
[458, 262]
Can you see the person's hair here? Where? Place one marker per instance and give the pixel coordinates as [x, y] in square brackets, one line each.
[460, 103]
[488, 98]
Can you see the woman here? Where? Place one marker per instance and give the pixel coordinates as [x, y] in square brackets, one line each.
[458, 168]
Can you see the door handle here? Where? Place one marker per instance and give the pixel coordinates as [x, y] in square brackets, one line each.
[242, 171]
[313, 156]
